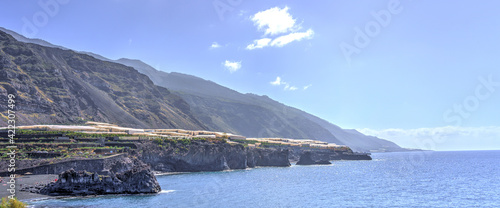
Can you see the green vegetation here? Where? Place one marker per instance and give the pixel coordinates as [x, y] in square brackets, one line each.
[12, 203]
[186, 141]
[262, 144]
[243, 141]
[69, 134]
[182, 145]
[58, 150]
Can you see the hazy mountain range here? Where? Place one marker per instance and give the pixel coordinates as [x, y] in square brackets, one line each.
[58, 85]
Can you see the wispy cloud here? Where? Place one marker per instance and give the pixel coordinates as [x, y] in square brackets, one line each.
[276, 82]
[232, 66]
[287, 86]
[260, 43]
[215, 45]
[442, 138]
[291, 88]
[274, 21]
[307, 87]
[277, 21]
[297, 36]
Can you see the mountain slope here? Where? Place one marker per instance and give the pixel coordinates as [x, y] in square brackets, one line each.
[53, 85]
[356, 139]
[224, 109]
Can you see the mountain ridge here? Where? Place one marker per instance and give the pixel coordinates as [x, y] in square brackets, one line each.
[53, 85]
[221, 108]
[352, 138]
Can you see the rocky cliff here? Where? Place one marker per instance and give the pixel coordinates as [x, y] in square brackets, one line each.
[307, 159]
[139, 179]
[296, 153]
[201, 155]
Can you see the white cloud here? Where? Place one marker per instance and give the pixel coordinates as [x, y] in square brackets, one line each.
[260, 43]
[274, 21]
[307, 87]
[232, 66]
[291, 88]
[277, 81]
[442, 138]
[296, 36]
[215, 45]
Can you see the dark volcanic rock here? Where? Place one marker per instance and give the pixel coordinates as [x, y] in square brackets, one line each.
[268, 157]
[355, 156]
[327, 154]
[306, 159]
[139, 179]
[208, 156]
[193, 157]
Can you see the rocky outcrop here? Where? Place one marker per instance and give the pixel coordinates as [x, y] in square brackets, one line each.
[268, 157]
[137, 180]
[307, 159]
[193, 157]
[208, 156]
[327, 154]
[355, 156]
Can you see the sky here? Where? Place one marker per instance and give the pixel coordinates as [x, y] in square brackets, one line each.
[424, 74]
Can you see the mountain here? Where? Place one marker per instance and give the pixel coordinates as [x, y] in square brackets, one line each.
[53, 85]
[23, 39]
[356, 139]
[222, 109]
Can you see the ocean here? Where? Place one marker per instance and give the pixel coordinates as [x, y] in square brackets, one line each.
[406, 179]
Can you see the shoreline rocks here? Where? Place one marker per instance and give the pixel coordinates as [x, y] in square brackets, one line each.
[306, 159]
[138, 180]
[204, 156]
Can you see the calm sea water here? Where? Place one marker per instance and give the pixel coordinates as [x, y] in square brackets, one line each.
[417, 179]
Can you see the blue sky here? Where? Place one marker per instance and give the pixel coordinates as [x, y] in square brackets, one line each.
[388, 68]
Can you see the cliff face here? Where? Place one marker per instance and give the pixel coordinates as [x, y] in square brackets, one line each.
[299, 153]
[306, 159]
[53, 86]
[268, 157]
[206, 156]
[193, 157]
